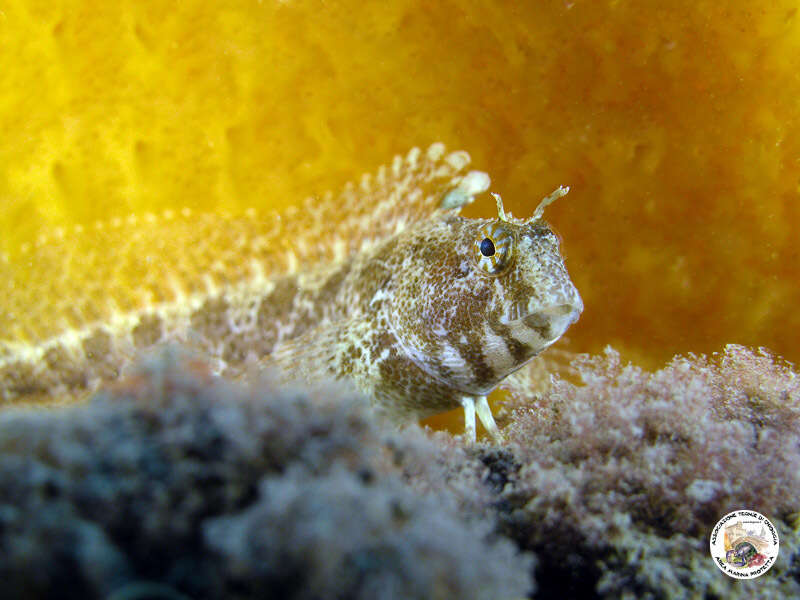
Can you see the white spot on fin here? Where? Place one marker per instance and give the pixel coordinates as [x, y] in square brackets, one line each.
[457, 160]
[436, 151]
[474, 182]
[412, 157]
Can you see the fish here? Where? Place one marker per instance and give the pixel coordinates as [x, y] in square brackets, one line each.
[383, 285]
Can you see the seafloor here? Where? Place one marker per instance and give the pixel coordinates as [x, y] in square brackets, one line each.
[677, 127]
[176, 484]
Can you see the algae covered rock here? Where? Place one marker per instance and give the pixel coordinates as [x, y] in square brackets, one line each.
[617, 482]
[177, 484]
[181, 484]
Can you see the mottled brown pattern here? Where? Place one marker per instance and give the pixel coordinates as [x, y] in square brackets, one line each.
[382, 340]
[425, 307]
[98, 347]
[211, 319]
[149, 330]
[21, 378]
[237, 346]
[64, 369]
[327, 294]
[397, 300]
[398, 375]
[305, 314]
[278, 303]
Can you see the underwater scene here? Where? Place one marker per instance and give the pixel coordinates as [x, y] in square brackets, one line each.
[491, 300]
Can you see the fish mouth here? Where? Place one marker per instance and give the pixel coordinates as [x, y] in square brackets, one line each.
[551, 322]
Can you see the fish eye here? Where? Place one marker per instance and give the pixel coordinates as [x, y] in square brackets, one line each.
[494, 248]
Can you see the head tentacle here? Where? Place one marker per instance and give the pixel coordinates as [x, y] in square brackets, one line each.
[502, 215]
[547, 201]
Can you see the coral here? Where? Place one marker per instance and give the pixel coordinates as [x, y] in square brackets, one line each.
[616, 483]
[191, 485]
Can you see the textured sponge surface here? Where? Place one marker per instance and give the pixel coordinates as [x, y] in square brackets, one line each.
[676, 127]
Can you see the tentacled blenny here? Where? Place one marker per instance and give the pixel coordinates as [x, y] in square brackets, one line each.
[383, 285]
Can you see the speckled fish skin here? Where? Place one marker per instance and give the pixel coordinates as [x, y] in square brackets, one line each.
[383, 285]
[426, 326]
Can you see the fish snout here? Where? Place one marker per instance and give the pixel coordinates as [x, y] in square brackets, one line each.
[550, 322]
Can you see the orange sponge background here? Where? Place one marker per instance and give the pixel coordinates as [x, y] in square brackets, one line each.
[678, 129]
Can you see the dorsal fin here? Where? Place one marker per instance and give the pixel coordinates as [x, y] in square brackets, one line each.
[69, 280]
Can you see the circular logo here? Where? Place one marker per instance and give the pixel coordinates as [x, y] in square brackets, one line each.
[744, 544]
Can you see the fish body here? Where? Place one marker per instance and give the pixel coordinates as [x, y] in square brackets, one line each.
[384, 285]
[426, 325]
